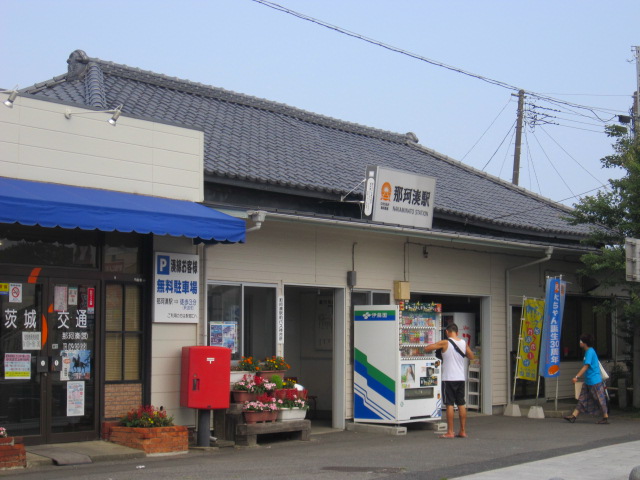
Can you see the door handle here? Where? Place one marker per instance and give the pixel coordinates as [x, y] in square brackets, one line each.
[56, 363]
[42, 364]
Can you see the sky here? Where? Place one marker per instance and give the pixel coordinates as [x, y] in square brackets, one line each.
[578, 53]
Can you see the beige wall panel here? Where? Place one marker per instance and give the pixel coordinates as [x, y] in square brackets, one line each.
[176, 141]
[270, 254]
[176, 193]
[107, 150]
[9, 132]
[448, 270]
[9, 158]
[175, 176]
[99, 155]
[189, 161]
[86, 164]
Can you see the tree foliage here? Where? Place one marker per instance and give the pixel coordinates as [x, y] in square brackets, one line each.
[615, 215]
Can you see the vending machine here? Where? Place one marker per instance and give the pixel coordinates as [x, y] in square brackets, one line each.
[395, 381]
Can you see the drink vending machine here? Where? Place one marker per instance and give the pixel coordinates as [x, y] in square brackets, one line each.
[395, 381]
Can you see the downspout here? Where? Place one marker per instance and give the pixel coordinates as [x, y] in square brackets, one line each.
[546, 258]
[257, 217]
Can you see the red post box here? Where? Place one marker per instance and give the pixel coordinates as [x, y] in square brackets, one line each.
[206, 373]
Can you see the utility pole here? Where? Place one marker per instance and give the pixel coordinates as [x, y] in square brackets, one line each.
[636, 95]
[516, 155]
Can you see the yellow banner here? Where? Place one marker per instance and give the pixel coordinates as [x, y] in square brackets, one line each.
[530, 333]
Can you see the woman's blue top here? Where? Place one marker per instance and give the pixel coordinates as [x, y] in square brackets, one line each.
[592, 375]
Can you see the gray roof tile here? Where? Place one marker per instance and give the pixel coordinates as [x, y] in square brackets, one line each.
[257, 140]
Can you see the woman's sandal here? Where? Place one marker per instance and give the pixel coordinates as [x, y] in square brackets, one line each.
[604, 421]
[570, 418]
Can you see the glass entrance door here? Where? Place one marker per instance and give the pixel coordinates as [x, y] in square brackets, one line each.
[48, 351]
[21, 387]
[71, 342]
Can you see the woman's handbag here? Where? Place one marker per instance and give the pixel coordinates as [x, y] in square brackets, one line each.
[578, 388]
[603, 372]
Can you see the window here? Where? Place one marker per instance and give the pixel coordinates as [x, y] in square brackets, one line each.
[580, 316]
[242, 318]
[123, 336]
[121, 253]
[371, 297]
[48, 246]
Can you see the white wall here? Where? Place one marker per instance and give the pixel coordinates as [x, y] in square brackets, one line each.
[166, 346]
[304, 254]
[38, 143]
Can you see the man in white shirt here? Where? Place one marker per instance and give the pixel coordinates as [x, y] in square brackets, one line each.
[453, 377]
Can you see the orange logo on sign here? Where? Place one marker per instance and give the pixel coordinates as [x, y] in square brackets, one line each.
[385, 192]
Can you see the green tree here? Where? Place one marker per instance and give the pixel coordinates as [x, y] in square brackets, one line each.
[618, 211]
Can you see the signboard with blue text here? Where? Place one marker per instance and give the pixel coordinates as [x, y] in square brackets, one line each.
[552, 328]
[176, 288]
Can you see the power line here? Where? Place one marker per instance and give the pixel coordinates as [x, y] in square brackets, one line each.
[344, 31]
[505, 137]
[378, 43]
[571, 157]
[484, 133]
[552, 165]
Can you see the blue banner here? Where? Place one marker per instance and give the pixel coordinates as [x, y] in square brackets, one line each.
[552, 328]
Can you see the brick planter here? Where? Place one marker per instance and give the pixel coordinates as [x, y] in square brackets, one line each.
[152, 440]
[12, 453]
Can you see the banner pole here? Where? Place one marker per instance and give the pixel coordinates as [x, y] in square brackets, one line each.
[557, 382]
[537, 390]
[515, 371]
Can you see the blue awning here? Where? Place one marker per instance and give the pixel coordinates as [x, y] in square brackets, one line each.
[52, 205]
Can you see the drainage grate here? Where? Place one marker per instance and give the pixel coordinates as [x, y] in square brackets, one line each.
[366, 469]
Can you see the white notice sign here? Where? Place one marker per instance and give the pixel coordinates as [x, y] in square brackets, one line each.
[176, 287]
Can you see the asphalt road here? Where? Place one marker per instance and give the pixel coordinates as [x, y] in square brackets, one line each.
[494, 442]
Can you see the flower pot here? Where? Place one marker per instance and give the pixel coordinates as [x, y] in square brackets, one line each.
[256, 417]
[291, 414]
[267, 374]
[241, 396]
[12, 453]
[152, 440]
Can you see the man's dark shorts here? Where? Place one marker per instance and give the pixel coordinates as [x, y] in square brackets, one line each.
[453, 393]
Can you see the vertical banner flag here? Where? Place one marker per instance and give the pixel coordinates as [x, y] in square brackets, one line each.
[530, 333]
[553, 309]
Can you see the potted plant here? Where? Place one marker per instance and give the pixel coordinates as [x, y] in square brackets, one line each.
[264, 409]
[273, 365]
[12, 452]
[245, 366]
[151, 430]
[292, 407]
[249, 388]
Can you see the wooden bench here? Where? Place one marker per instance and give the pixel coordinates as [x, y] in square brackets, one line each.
[247, 433]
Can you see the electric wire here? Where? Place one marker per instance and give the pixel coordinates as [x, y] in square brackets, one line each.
[552, 165]
[571, 157]
[386, 46]
[494, 153]
[349, 33]
[533, 166]
[506, 153]
[484, 133]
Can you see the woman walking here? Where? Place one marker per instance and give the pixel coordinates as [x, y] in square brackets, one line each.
[592, 396]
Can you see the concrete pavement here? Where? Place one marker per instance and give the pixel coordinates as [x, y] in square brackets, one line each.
[498, 448]
[613, 462]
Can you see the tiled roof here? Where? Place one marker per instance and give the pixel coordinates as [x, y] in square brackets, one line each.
[256, 140]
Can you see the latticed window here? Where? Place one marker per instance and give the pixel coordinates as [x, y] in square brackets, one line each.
[123, 339]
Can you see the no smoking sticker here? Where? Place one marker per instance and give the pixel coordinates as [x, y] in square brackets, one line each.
[15, 293]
